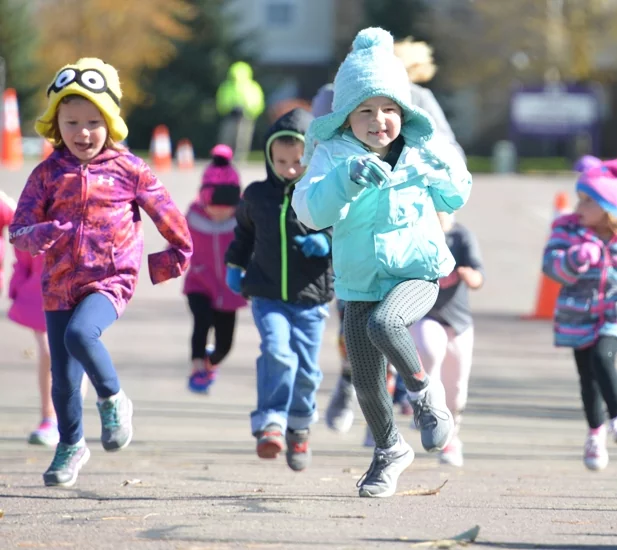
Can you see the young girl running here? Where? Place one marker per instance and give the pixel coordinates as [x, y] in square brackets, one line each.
[81, 207]
[377, 176]
[211, 219]
[581, 254]
[445, 336]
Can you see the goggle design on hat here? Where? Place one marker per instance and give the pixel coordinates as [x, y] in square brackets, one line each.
[90, 79]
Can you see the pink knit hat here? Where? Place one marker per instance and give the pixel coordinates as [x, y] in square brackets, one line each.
[600, 183]
[220, 183]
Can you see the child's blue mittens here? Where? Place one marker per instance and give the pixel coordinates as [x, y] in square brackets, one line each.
[365, 171]
[233, 278]
[313, 245]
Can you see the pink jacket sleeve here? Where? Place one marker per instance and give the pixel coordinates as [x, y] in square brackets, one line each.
[22, 271]
[7, 210]
[30, 231]
[158, 204]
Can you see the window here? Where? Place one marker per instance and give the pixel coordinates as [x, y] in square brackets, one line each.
[280, 13]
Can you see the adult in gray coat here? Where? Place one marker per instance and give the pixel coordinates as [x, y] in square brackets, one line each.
[418, 60]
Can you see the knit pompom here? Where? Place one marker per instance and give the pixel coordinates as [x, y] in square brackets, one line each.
[373, 37]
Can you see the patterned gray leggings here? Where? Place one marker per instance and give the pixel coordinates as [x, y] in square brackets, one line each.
[375, 333]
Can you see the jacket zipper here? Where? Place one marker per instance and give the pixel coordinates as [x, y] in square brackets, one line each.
[283, 230]
[217, 267]
[80, 232]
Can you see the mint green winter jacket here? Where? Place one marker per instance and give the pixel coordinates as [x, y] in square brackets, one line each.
[383, 236]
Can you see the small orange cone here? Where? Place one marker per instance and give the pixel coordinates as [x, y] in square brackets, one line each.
[160, 148]
[12, 153]
[47, 149]
[548, 290]
[185, 157]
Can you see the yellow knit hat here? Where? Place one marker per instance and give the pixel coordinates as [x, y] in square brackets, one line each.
[93, 79]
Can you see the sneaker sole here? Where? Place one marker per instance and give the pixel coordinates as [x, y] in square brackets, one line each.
[269, 449]
[306, 461]
[113, 447]
[70, 482]
[450, 461]
[36, 439]
[596, 466]
[442, 445]
[365, 492]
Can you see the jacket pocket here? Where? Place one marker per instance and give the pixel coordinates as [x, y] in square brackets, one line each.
[407, 203]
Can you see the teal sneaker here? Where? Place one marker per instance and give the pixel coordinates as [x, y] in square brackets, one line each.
[66, 464]
[116, 422]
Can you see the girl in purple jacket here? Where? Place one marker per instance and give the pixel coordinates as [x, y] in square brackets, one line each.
[581, 254]
[211, 220]
[81, 206]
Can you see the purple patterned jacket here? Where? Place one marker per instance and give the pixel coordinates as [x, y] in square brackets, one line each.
[87, 220]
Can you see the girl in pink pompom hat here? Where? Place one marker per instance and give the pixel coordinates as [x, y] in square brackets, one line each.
[211, 220]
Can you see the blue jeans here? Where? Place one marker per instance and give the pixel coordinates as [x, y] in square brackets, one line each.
[75, 347]
[288, 372]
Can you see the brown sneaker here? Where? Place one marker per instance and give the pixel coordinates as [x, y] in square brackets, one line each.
[298, 453]
[270, 442]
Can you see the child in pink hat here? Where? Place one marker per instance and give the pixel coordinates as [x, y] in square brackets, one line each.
[211, 220]
[581, 254]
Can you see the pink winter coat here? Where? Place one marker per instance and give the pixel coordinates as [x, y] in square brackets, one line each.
[7, 209]
[87, 219]
[25, 291]
[206, 274]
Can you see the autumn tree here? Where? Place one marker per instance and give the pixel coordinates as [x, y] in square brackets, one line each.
[402, 18]
[181, 94]
[17, 69]
[131, 36]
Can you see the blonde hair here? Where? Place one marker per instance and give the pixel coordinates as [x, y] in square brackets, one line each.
[56, 136]
[417, 58]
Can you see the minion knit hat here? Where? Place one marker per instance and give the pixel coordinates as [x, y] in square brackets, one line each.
[370, 69]
[93, 79]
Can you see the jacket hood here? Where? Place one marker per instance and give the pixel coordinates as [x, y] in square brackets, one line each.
[294, 123]
[64, 157]
[240, 70]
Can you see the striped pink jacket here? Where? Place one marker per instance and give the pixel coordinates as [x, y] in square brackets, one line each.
[87, 219]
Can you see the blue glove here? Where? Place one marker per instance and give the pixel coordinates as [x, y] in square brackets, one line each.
[366, 172]
[313, 245]
[233, 278]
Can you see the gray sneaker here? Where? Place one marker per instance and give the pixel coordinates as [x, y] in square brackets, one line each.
[298, 453]
[116, 422]
[432, 417]
[380, 479]
[66, 464]
[339, 414]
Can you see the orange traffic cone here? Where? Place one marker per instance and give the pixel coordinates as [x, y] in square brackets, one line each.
[12, 153]
[185, 157]
[47, 149]
[548, 290]
[160, 148]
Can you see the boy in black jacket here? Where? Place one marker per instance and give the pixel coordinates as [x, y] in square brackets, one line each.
[285, 268]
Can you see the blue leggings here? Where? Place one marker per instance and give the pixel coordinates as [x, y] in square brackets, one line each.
[75, 347]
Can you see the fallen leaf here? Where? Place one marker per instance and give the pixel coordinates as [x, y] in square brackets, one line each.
[259, 490]
[422, 492]
[1, 513]
[459, 540]
[131, 482]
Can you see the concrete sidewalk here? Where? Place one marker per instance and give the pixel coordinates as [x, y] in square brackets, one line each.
[191, 479]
